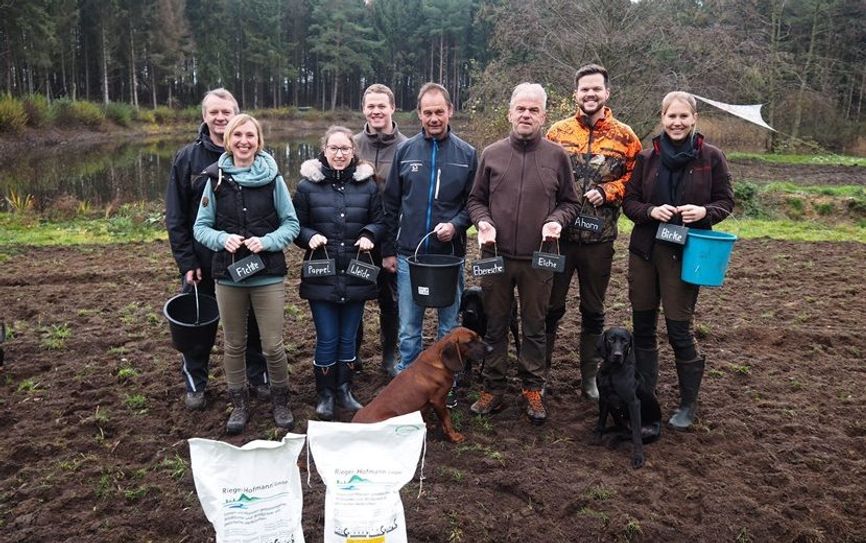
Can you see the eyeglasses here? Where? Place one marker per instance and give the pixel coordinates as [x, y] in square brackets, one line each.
[338, 150]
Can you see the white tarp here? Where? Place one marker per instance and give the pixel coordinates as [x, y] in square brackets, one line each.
[250, 493]
[364, 466]
[751, 113]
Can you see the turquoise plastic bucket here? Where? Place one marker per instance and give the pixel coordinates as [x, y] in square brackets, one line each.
[706, 256]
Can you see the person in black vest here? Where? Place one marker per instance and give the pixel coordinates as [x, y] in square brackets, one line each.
[246, 214]
[680, 180]
[340, 211]
[182, 198]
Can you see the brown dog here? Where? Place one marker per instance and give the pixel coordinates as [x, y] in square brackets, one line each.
[426, 382]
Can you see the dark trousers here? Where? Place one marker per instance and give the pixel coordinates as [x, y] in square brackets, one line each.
[591, 262]
[533, 289]
[656, 282]
[195, 368]
[387, 300]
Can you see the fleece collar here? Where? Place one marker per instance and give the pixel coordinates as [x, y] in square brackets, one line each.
[314, 171]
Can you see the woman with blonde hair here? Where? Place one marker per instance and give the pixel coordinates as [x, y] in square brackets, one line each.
[680, 180]
[246, 212]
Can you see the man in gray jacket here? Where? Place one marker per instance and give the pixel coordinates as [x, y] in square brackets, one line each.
[523, 194]
[377, 143]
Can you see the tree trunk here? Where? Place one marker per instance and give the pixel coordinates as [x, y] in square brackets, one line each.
[153, 83]
[105, 99]
[334, 90]
[133, 77]
[442, 58]
[804, 76]
[775, 39]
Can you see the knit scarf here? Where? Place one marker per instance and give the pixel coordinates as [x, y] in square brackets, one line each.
[675, 157]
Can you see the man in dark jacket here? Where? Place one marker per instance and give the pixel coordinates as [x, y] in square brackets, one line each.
[523, 194]
[182, 197]
[426, 194]
[377, 144]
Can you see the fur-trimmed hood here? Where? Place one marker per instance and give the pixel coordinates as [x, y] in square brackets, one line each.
[314, 170]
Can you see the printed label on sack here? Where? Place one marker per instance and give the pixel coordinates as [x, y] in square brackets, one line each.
[488, 266]
[590, 224]
[672, 233]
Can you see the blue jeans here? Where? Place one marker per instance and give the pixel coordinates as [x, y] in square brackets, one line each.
[336, 327]
[412, 316]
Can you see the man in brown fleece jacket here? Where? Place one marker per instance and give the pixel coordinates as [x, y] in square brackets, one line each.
[523, 194]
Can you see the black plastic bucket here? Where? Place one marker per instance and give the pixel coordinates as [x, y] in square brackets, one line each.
[193, 319]
[434, 278]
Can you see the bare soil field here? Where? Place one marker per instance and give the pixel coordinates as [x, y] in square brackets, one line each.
[94, 452]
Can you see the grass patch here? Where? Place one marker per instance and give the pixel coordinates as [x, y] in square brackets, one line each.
[176, 467]
[129, 223]
[28, 385]
[136, 402]
[782, 230]
[821, 160]
[54, 337]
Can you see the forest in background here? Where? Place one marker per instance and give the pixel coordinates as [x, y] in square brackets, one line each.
[804, 59]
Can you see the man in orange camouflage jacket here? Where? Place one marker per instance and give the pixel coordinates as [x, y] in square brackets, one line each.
[602, 152]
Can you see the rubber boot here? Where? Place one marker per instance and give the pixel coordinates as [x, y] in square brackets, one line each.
[240, 412]
[344, 387]
[589, 362]
[388, 336]
[689, 373]
[326, 388]
[282, 414]
[647, 362]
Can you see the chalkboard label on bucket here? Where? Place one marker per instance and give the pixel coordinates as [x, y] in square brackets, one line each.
[323, 267]
[488, 266]
[590, 224]
[548, 261]
[362, 270]
[672, 233]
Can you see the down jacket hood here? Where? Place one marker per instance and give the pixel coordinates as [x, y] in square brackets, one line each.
[315, 171]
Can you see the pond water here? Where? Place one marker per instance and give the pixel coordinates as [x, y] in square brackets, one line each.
[129, 171]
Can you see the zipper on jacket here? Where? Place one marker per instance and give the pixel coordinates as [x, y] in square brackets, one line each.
[433, 185]
[520, 197]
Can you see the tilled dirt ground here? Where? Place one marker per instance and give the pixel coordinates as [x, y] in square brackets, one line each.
[94, 452]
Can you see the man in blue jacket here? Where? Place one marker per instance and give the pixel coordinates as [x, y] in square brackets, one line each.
[182, 197]
[426, 191]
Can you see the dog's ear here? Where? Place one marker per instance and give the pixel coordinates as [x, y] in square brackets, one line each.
[451, 356]
[601, 345]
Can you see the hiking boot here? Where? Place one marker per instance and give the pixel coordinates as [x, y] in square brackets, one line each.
[240, 413]
[194, 401]
[487, 403]
[283, 417]
[262, 392]
[535, 406]
[451, 399]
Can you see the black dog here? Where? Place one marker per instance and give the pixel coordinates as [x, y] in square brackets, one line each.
[624, 396]
[472, 316]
